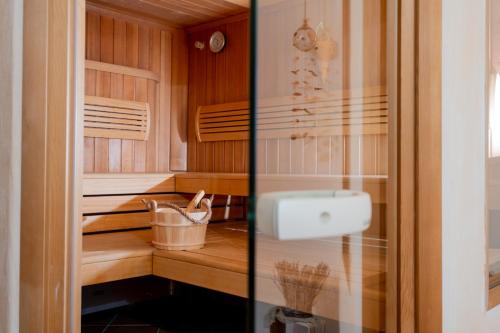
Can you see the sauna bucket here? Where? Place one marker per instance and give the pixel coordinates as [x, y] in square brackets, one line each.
[176, 229]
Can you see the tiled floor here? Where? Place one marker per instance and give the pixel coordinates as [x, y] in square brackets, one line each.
[193, 313]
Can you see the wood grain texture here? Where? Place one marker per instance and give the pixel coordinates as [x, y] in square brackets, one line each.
[130, 59]
[116, 119]
[124, 203]
[429, 210]
[181, 13]
[217, 78]
[50, 294]
[212, 183]
[116, 256]
[11, 24]
[99, 223]
[122, 183]
[119, 69]
[222, 265]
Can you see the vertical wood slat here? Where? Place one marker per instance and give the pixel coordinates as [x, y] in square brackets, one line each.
[323, 151]
[116, 40]
[165, 99]
[178, 104]
[297, 156]
[89, 143]
[103, 89]
[93, 52]
[429, 315]
[117, 86]
[369, 152]
[128, 145]
[284, 156]
[272, 156]
[141, 95]
[310, 155]
[352, 151]
[115, 145]
[338, 155]
[218, 78]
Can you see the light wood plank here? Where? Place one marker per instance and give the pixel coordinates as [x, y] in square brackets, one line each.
[123, 183]
[229, 282]
[107, 271]
[212, 183]
[123, 203]
[98, 223]
[178, 103]
[120, 69]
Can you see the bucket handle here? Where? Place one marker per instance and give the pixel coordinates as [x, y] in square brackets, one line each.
[153, 205]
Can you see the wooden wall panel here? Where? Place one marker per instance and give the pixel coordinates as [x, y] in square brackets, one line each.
[360, 32]
[223, 77]
[126, 41]
[218, 78]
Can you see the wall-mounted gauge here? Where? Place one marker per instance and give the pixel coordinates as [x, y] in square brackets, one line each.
[217, 42]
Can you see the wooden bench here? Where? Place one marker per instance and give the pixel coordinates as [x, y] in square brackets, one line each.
[357, 267]
[112, 202]
[357, 274]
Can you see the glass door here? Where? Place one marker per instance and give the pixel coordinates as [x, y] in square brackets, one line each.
[322, 134]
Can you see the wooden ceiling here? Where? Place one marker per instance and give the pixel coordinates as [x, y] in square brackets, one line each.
[182, 13]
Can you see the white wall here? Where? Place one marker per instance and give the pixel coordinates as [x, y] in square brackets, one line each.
[464, 152]
[10, 160]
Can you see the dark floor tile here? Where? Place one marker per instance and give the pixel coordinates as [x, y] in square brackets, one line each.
[99, 318]
[92, 329]
[131, 329]
[127, 319]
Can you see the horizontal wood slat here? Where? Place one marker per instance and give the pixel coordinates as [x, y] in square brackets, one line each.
[113, 118]
[123, 203]
[128, 220]
[114, 270]
[119, 69]
[212, 183]
[98, 223]
[343, 114]
[125, 183]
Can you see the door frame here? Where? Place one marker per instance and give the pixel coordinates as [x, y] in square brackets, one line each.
[52, 134]
[52, 168]
[414, 280]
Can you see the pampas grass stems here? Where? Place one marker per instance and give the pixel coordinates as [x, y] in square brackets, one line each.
[300, 285]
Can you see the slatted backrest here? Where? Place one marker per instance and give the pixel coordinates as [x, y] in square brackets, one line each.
[115, 118]
[342, 113]
[114, 201]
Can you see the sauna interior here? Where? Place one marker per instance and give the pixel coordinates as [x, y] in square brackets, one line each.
[166, 114]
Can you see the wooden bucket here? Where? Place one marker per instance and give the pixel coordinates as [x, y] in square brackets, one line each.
[173, 231]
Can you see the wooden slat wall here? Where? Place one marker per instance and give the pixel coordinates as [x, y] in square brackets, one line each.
[135, 44]
[218, 78]
[360, 63]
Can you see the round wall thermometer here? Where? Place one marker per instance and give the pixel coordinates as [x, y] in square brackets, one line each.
[217, 42]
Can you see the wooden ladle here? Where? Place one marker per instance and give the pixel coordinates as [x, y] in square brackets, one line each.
[195, 201]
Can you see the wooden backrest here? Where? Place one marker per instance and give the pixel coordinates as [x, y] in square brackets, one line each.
[114, 201]
[342, 113]
[115, 118]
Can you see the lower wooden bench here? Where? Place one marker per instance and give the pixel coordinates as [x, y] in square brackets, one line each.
[116, 256]
[357, 269]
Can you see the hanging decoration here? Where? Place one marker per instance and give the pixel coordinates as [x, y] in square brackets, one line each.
[304, 38]
[315, 49]
[304, 71]
[326, 50]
